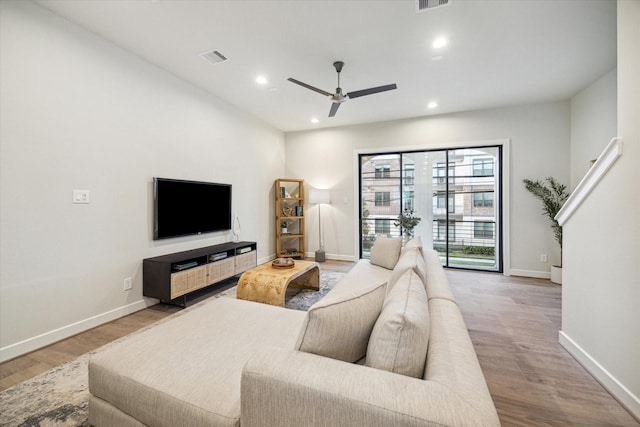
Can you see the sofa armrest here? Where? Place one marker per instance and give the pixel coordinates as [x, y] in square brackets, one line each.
[288, 387]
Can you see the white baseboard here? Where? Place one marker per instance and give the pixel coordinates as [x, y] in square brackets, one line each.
[622, 394]
[530, 273]
[31, 344]
[335, 257]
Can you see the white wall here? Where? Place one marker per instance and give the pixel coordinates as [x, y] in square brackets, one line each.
[601, 284]
[539, 137]
[593, 123]
[80, 113]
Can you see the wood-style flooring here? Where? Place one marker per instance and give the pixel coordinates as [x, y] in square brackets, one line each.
[513, 323]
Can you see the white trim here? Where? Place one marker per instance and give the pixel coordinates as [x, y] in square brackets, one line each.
[604, 377]
[505, 143]
[609, 155]
[334, 257]
[530, 273]
[42, 340]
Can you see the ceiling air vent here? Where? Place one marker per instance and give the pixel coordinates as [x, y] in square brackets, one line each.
[213, 56]
[422, 5]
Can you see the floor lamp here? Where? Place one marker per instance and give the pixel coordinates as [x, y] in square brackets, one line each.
[318, 197]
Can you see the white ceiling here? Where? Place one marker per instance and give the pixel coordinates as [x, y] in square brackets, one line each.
[500, 52]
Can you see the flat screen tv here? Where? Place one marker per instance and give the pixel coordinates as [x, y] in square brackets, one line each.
[183, 208]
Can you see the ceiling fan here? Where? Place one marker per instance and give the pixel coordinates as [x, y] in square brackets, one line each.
[338, 97]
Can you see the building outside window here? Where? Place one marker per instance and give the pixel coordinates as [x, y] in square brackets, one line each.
[483, 200]
[383, 171]
[409, 174]
[409, 197]
[383, 226]
[482, 167]
[441, 203]
[483, 230]
[383, 198]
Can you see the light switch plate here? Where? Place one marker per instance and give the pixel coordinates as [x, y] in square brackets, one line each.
[81, 196]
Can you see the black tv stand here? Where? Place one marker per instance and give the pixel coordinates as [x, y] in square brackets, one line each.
[171, 277]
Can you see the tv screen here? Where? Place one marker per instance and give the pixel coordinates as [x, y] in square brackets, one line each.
[183, 208]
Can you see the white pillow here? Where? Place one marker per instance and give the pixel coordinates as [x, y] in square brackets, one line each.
[410, 259]
[339, 325]
[416, 242]
[400, 337]
[386, 251]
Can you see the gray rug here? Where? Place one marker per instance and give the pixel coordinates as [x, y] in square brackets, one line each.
[59, 397]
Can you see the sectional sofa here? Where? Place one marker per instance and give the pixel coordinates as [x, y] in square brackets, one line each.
[387, 346]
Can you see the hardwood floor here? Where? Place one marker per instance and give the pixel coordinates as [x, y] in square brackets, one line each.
[513, 323]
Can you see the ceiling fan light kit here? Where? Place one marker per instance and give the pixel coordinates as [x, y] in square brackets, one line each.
[339, 97]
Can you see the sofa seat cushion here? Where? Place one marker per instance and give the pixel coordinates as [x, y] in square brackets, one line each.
[187, 371]
[338, 326]
[400, 337]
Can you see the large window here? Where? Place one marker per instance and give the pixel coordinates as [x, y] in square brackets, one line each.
[455, 192]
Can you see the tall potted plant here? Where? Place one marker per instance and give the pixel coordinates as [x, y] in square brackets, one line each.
[553, 196]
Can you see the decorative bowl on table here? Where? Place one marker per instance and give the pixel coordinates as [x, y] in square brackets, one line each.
[283, 263]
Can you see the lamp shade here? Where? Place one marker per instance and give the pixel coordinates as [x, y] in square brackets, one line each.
[317, 196]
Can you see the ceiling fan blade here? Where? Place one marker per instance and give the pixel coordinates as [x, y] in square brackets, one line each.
[371, 91]
[334, 109]
[315, 89]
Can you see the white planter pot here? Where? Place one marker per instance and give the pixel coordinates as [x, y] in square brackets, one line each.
[556, 274]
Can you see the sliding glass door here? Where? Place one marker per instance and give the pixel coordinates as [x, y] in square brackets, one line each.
[456, 193]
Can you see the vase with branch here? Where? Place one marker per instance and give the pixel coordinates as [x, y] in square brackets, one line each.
[407, 221]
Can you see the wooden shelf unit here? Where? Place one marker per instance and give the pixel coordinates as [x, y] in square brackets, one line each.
[175, 275]
[290, 210]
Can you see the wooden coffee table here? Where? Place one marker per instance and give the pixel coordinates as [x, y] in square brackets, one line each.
[267, 284]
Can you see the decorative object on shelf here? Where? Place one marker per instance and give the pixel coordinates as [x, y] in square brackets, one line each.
[553, 196]
[283, 228]
[287, 211]
[407, 222]
[283, 263]
[319, 197]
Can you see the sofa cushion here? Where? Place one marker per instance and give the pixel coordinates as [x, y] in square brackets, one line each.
[415, 243]
[400, 337]
[410, 259]
[189, 367]
[338, 326]
[386, 251]
[436, 281]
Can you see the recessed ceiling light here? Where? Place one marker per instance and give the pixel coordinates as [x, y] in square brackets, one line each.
[314, 120]
[261, 80]
[432, 105]
[439, 43]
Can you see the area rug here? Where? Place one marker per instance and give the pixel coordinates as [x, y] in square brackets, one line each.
[60, 396]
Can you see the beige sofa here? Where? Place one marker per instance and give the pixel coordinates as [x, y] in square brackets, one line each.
[386, 347]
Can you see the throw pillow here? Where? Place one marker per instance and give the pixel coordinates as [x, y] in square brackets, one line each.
[400, 337]
[339, 325]
[410, 259]
[386, 251]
